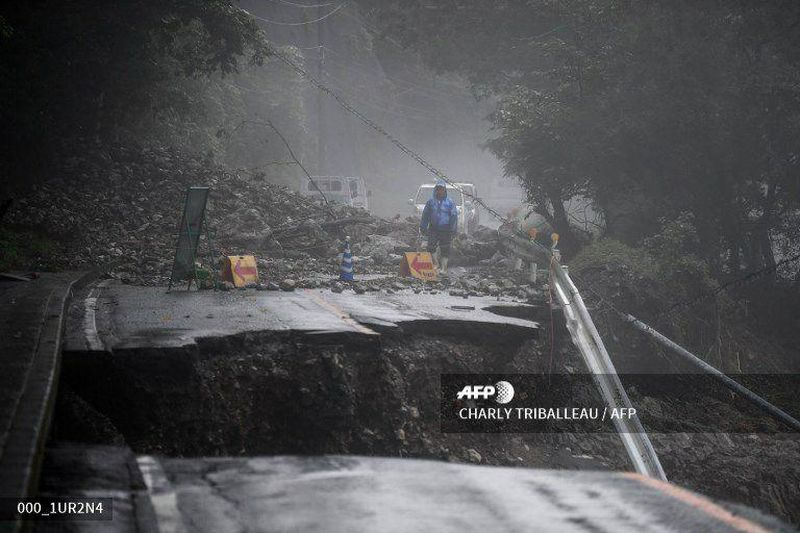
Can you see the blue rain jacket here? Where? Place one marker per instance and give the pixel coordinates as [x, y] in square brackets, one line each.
[439, 215]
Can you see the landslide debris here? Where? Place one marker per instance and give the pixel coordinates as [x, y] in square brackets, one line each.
[119, 209]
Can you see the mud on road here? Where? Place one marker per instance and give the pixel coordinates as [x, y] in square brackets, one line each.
[283, 393]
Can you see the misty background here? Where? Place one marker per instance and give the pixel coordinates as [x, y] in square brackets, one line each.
[435, 114]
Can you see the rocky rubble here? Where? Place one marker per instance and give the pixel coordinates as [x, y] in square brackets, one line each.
[119, 209]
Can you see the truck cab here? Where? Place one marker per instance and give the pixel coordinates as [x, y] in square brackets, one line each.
[473, 215]
[425, 193]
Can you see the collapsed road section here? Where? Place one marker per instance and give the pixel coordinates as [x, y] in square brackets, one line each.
[261, 373]
[243, 372]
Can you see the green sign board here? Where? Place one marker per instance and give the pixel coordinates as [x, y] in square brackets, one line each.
[189, 229]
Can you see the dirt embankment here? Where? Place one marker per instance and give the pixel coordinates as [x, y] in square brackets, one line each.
[284, 394]
[277, 394]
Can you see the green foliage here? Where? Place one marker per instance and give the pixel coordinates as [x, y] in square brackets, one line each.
[676, 250]
[651, 109]
[648, 281]
[664, 271]
[71, 72]
[22, 249]
[614, 268]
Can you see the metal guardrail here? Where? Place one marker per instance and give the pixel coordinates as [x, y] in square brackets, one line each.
[747, 394]
[587, 339]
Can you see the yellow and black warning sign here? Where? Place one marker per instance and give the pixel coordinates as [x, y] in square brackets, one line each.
[419, 265]
[240, 270]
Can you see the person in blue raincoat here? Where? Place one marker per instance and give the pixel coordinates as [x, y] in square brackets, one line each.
[439, 222]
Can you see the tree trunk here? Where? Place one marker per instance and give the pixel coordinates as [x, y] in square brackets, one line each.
[761, 237]
[568, 242]
[5, 207]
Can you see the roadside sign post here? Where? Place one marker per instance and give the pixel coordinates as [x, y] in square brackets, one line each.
[189, 229]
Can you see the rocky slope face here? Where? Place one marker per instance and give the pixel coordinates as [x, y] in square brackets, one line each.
[119, 209]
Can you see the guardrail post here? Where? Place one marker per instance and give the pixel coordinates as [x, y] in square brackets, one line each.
[586, 338]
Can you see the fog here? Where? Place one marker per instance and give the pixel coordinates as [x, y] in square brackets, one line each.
[435, 115]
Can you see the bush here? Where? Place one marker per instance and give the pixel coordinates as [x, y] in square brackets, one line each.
[648, 281]
[22, 249]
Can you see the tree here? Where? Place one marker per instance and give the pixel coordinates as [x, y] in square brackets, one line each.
[651, 109]
[87, 71]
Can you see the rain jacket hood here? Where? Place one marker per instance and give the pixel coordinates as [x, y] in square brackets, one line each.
[443, 185]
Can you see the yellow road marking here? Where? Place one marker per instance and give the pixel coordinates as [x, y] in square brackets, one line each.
[336, 310]
[698, 502]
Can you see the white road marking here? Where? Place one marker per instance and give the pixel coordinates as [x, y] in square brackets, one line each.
[162, 495]
[93, 341]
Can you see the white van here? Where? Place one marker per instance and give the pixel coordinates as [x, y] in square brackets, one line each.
[346, 190]
[425, 193]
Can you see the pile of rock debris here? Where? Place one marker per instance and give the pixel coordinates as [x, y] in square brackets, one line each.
[119, 209]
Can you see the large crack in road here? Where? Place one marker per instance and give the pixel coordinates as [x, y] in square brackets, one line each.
[367, 383]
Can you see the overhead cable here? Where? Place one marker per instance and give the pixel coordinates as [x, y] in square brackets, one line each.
[304, 6]
[281, 23]
[738, 281]
[368, 122]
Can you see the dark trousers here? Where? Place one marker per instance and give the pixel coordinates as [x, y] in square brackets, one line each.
[440, 238]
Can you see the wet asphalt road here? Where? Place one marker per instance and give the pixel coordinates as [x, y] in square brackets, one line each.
[122, 316]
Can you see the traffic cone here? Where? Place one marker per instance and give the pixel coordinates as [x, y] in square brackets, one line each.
[346, 271]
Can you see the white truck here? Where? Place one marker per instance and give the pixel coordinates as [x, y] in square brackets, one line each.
[346, 190]
[466, 207]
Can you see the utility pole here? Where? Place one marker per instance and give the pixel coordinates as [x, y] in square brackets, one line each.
[321, 125]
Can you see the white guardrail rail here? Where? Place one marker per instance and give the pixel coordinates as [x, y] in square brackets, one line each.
[587, 339]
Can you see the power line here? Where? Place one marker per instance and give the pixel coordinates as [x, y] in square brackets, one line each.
[574, 298]
[383, 107]
[272, 126]
[438, 91]
[376, 31]
[258, 168]
[281, 23]
[296, 160]
[439, 174]
[303, 6]
[739, 281]
[380, 106]
[357, 65]
[435, 93]
[366, 121]
[689, 303]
